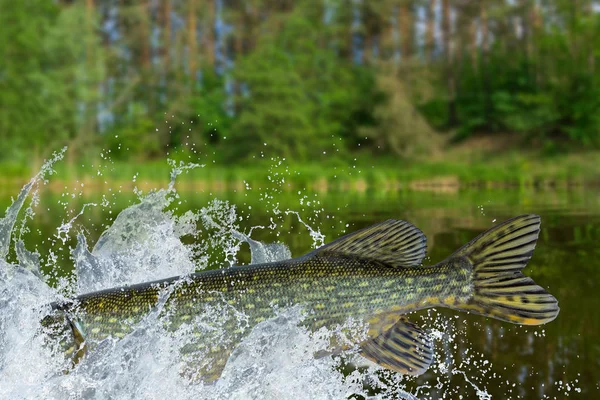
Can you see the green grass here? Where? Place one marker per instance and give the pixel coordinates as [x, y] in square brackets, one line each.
[366, 173]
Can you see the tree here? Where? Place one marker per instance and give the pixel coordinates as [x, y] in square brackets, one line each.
[299, 96]
[399, 129]
[46, 79]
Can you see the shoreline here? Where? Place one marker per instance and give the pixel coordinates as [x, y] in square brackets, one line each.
[447, 184]
[516, 170]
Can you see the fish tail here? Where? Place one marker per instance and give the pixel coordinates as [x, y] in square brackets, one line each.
[500, 290]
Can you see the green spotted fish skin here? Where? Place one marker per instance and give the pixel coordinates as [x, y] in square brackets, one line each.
[374, 275]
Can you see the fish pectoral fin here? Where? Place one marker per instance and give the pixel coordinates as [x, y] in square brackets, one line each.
[200, 365]
[404, 348]
[393, 242]
[79, 338]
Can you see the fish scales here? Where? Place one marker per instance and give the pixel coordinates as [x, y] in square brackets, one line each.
[359, 289]
[374, 275]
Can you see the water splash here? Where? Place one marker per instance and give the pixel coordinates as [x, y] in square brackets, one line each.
[317, 237]
[264, 252]
[7, 223]
[143, 243]
[276, 360]
[265, 366]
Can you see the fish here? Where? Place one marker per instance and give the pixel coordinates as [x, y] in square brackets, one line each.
[375, 275]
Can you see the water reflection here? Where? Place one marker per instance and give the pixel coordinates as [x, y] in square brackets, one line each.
[550, 361]
[563, 356]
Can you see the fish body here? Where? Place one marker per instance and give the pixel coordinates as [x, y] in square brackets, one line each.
[373, 275]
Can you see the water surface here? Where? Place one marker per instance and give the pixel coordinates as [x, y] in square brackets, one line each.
[479, 357]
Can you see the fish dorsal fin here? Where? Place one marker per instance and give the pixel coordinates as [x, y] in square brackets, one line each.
[393, 242]
[404, 348]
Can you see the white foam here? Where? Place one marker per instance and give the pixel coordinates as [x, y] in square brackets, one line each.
[276, 360]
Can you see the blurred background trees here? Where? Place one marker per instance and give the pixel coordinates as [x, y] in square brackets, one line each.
[140, 77]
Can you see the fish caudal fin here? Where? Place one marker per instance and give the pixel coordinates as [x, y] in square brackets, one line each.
[501, 291]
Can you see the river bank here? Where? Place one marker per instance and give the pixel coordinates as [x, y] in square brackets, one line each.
[455, 170]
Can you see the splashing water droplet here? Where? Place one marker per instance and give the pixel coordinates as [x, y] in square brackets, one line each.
[276, 359]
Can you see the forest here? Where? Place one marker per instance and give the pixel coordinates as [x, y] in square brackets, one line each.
[303, 79]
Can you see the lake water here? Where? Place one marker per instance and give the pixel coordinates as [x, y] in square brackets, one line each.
[477, 357]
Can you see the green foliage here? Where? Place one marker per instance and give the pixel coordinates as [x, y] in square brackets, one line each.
[399, 129]
[45, 84]
[138, 137]
[300, 97]
[552, 94]
[208, 112]
[581, 105]
[305, 80]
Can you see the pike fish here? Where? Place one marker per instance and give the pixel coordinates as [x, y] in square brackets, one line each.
[373, 275]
